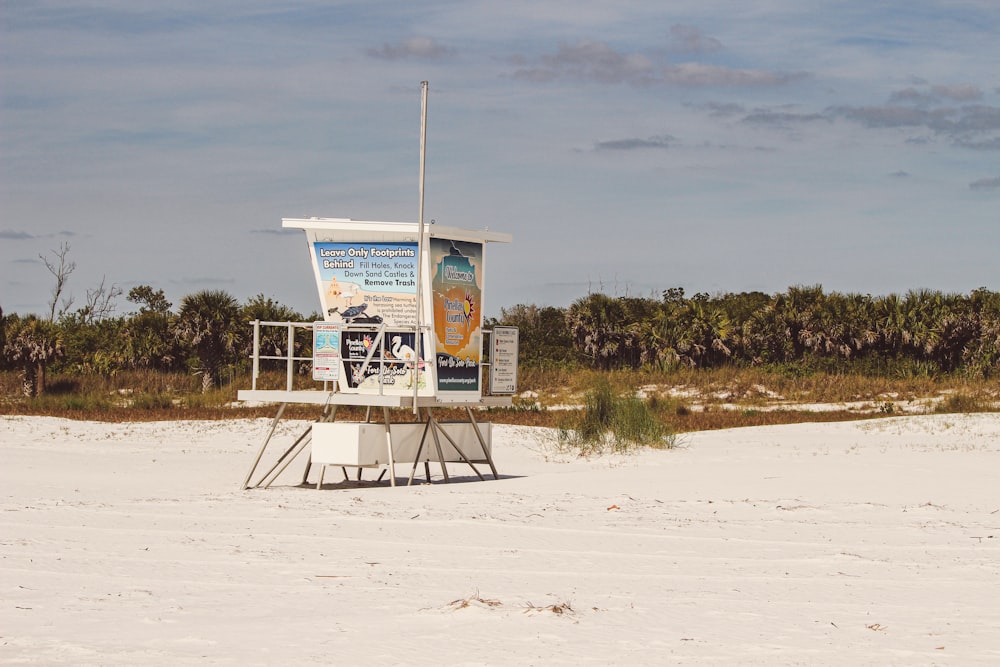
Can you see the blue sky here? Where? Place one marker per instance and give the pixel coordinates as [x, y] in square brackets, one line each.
[628, 147]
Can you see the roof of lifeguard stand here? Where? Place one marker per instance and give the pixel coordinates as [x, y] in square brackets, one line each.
[347, 229]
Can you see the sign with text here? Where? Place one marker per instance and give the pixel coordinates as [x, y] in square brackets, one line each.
[368, 283]
[326, 351]
[457, 292]
[503, 361]
[391, 364]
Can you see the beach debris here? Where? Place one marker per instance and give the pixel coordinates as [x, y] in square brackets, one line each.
[558, 608]
[474, 600]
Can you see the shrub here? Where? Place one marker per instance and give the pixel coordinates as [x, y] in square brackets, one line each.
[152, 401]
[963, 403]
[619, 422]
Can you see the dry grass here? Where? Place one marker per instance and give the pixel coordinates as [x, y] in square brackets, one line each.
[686, 400]
[474, 600]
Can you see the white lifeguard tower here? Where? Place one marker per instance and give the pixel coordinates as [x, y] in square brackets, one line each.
[402, 329]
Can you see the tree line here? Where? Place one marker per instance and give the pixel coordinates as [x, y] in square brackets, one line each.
[803, 329]
[208, 334]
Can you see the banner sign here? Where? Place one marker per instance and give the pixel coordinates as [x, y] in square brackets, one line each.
[368, 283]
[456, 286]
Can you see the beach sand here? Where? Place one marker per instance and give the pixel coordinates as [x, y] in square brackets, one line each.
[871, 542]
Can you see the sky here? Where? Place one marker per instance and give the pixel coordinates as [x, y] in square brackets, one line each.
[628, 147]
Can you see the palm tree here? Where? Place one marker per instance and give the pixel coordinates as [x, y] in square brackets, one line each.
[31, 344]
[208, 324]
[609, 330]
[710, 334]
[596, 325]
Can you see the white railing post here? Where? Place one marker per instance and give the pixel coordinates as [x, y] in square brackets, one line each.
[256, 354]
[289, 352]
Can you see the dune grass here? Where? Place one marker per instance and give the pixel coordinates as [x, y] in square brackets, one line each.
[618, 421]
[634, 404]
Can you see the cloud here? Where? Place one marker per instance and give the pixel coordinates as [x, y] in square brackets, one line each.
[700, 74]
[985, 145]
[986, 184]
[722, 109]
[14, 235]
[912, 96]
[900, 174]
[887, 116]
[969, 126]
[107, 20]
[590, 60]
[412, 47]
[781, 118]
[965, 92]
[978, 118]
[690, 39]
[664, 141]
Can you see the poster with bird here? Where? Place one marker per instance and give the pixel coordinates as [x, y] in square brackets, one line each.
[367, 283]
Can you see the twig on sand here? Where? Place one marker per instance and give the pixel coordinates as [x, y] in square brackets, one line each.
[462, 603]
[557, 608]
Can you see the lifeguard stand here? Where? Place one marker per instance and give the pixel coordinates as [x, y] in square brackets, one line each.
[402, 329]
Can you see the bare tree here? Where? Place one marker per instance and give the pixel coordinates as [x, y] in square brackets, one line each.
[100, 302]
[60, 268]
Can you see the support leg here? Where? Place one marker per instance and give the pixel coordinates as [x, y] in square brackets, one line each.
[433, 425]
[482, 442]
[388, 446]
[416, 459]
[306, 435]
[294, 455]
[263, 446]
[458, 449]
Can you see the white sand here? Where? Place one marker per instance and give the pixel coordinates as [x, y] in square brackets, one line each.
[873, 542]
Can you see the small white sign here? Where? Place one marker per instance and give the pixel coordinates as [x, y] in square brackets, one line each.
[503, 361]
[326, 351]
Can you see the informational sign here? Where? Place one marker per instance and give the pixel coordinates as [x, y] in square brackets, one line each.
[390, 362]
[456, 285]
[326, 351]
[503, 361]
[368, 283]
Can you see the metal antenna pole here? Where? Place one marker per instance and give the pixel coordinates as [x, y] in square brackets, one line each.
[420, 243]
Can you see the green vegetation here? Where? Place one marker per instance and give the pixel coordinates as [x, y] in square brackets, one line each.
[799, 332]
[615, 421]
[611, 372]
